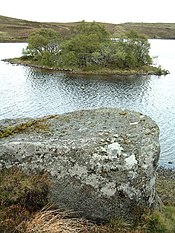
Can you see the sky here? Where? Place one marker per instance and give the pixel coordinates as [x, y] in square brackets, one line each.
[109, 11]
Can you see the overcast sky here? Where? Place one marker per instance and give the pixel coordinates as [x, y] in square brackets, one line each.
[111, 11]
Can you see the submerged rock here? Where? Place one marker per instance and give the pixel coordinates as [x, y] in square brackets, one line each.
[102, 162]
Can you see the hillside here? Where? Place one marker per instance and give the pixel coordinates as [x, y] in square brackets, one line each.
[17, 30]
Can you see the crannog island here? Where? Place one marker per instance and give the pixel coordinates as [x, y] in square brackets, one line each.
[88, 49]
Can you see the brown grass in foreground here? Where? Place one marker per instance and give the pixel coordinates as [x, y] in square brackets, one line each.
[50, 221]
[23, 197]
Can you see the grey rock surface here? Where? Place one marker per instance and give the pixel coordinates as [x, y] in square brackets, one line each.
[102, 162]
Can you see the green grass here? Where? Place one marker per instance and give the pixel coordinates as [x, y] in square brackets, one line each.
[160, 222]
[145, 70]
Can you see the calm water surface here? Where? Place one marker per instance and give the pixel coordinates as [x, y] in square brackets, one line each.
[28, 92]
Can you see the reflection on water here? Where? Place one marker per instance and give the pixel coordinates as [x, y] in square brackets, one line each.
[30, 92]
[60, 93]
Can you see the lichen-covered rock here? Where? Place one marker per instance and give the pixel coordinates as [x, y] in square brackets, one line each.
[102, 162]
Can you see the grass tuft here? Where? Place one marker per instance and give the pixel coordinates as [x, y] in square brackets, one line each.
[50, 221]
[37, 125]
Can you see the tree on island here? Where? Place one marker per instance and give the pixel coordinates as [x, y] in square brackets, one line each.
[43, 46]
[80, 50]
[89, 47]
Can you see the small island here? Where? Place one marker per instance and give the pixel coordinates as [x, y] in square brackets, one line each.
[89, 49]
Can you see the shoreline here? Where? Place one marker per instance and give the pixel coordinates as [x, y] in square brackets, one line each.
[145, 70]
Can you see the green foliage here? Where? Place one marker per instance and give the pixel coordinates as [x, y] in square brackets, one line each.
[43, 46]
[89, 46]
[97, 29]
[92, 45]
[79, 49]
[160, 71]
[132, 51]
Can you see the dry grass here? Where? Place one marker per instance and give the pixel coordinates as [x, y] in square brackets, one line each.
[52, 221]
[12, 29]
[27, 190]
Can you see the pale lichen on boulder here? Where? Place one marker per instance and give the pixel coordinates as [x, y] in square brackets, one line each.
[102, 162]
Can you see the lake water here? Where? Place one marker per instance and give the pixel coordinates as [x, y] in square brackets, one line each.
[29, 92]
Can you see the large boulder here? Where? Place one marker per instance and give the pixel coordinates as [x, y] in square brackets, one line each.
[102, 163]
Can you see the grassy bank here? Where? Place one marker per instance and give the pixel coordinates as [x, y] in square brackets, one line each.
[24, 208]
[144, 70]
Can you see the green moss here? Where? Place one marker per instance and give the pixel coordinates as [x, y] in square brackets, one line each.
[123, 113]
[38, 125]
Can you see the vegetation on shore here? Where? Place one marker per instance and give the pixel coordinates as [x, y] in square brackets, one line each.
[144, 70]
[24, 208]
[90, 49]
[107, 59]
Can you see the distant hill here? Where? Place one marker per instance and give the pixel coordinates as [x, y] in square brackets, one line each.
[18, 30]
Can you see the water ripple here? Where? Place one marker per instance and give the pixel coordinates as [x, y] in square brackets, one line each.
[28, 92]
